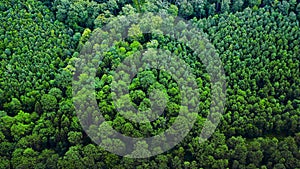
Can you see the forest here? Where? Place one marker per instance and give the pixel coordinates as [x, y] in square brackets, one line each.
[257, 41]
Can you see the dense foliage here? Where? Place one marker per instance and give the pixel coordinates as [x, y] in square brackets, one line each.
[257, 41]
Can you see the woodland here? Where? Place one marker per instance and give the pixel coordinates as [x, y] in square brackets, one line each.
[258, 42]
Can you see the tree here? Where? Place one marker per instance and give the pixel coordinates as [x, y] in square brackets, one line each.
[135, 32]
[186, 9]
[56, 92]
[237, 5]
[140, 150]
[13, 107]
[225, 6]
[138, 4]
[74, 137]
[48, 102]
[173, 10]
[72, 159]
[4, 162]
